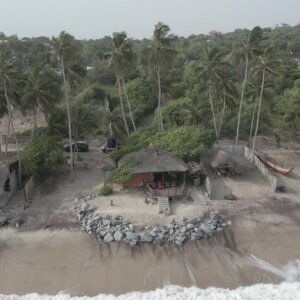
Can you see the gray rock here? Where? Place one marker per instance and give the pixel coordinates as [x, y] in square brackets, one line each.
[190, 226]
[118, 236]
[108, 237]
[145, 237]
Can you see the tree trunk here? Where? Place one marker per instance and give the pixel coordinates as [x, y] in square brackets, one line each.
[69, 115]
[258, 112]
[128, 103]
[212, 108]
[14, 134]
[34, 123]
[252, 120]
[242, 100]
[6, 139]
[222, 115]
[122, 107]
[160, 120]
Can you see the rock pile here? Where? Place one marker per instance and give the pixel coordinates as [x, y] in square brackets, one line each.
[109, 228]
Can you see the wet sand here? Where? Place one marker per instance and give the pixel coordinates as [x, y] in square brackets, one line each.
[73, 262]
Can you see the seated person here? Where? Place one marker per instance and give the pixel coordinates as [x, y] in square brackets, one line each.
[160, 186]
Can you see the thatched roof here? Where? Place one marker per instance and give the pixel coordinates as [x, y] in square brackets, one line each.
[152, 160]
[222, 159]
[108, 164]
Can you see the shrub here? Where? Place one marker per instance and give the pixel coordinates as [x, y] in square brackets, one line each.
[42, 156]
[123, 174]
[106, 190]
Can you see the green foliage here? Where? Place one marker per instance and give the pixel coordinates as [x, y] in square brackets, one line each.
[186, 142]
[287, 108]
[123, 174]
[42, 156]
[141, 96]
[106, 190]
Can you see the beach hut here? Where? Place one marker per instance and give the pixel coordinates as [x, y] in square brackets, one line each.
[159, 172]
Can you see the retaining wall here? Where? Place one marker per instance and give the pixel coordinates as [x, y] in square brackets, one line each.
[272, 180]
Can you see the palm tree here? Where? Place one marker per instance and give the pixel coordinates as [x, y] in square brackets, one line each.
[119, 60]
[249, 48]
[253, 94]
[192, 113]
[211, 68]
[84, 121]
[64, 48]
[228, 93]
[111, 120]
[41, 91]
[8, 80]
[266, 65]
[158, 55]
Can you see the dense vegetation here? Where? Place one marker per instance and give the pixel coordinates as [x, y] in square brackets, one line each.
[177, 93]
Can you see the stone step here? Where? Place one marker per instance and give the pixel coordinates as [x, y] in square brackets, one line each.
[163, 205]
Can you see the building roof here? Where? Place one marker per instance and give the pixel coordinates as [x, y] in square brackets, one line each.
[153, 160]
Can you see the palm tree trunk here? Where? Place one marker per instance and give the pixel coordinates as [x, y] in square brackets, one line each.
[128, 103]
[69, 115]
[34, 123]
[242, 100]
[122, 107]
[252, 120]
[258, 112]
[222, 115]
[14, 134]
[212, 108]
[6, 139]
[160, 120]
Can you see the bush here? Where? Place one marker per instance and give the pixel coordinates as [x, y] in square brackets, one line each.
[123, 174]
[42, 156]
[186, 142]
[106, 190]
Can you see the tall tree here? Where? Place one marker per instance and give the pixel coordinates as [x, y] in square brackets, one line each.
[41, 90]
[211, 69]
[267, 64]
[248, 49]
[119, 59]
[158, 55]
[64, 47]
[9, 73]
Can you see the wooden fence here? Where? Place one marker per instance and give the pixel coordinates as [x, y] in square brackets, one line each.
[29, 190]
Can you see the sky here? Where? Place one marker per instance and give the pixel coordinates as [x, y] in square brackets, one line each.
[87, 19]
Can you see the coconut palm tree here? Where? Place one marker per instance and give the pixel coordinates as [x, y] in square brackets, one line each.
[267, 65]
[158, 55]
[228, 93]
[211, 69]
[41, 90]
[119, 59]
[64, 48]
[9, 74]
[248, 49]
[111, 120]
[253, 94]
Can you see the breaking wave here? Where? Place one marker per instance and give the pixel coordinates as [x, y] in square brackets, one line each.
[284, 291]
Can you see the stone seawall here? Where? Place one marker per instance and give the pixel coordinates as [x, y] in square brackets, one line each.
[115, 228]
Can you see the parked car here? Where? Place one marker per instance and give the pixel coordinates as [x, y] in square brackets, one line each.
[82, 146]
[110, 144]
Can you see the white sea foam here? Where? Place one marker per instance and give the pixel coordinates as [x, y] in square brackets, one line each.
[283, 291]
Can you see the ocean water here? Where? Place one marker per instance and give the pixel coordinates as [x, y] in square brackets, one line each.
[289, 289]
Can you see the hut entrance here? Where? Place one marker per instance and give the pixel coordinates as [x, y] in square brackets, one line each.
[168, 179]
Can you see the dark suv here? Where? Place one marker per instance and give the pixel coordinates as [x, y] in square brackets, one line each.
[82, 146]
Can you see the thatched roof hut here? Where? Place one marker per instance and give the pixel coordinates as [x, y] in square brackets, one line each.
[153, 160]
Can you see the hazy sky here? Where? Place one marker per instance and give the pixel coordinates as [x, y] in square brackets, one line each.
[96, 18]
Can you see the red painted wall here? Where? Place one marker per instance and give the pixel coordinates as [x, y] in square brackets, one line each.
[139, 179]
